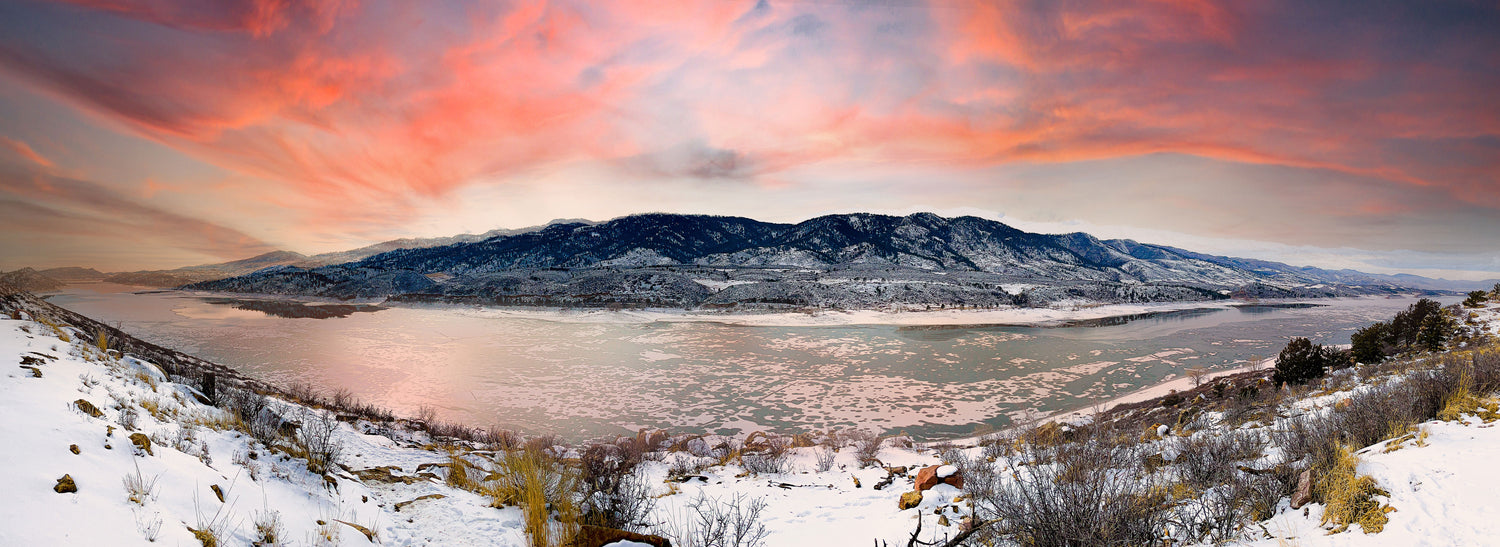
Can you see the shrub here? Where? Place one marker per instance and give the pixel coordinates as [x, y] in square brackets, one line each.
[866, 446]
[768, 456]
[1091, 492]
[1299, 362]
[614, 495]
[318, 439]
[825, 458]
[710, 522]
[1205, 461]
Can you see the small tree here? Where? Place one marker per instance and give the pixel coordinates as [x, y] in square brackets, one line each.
[1435, 332]
[1300, 361]
[1476, 299]
[1368, 345]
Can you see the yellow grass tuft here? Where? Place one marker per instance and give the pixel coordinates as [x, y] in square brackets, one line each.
[1349, 497]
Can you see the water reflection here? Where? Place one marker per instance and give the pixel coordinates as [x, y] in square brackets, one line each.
[292, 309]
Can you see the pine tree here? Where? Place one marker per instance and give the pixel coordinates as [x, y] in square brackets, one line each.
[1369, 343]
[1300, 361]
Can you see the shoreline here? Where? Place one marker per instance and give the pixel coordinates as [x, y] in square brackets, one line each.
[1057, 316]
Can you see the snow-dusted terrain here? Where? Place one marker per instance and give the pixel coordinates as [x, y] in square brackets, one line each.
[390, 481]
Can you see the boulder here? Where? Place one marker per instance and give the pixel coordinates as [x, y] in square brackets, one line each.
[403, 504]
[73, 448]
[141, 441]
[934, 475]
[909, 500]
[1303, 495]
[65, 485]
[88, 408]
[598, 536]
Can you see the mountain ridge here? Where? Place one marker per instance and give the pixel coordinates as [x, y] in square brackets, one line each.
[839, 261]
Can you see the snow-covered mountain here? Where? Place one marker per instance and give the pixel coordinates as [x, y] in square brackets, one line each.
[842, 261]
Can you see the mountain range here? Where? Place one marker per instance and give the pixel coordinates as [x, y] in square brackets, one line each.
[839, 261]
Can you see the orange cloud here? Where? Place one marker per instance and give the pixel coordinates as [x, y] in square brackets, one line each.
[365, 107]
[24, 150]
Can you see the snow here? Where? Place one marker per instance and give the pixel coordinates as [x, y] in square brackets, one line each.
[1442, 489]
[1443, 493]
[804, 507]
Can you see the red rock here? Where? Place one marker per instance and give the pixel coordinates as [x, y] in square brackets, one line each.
[928, 478]
[1303, 495]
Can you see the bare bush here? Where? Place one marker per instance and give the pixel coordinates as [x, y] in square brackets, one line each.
[866, 446]
[1204, 461]
[614, 494]
[497, 438]
[711, 522]
[826, 458]
[304, 392]
[318, 439]
[1091, 492]
[768, 456]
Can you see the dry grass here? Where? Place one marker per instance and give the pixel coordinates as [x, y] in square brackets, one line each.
[460, 473]
[138, 488]
[541, 485]
[1349, 497]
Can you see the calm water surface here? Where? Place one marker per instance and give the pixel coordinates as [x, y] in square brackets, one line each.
[599, 378]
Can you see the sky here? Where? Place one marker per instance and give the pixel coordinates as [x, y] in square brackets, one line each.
[144, 134]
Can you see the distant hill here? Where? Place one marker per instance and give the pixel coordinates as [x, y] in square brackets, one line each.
[205, 272]
[31, 280]
[843, 261]
[74, 274]
[361, 253]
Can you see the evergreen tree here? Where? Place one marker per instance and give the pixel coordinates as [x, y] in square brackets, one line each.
[1436, 330]
[1369, 343]
[1300, 361]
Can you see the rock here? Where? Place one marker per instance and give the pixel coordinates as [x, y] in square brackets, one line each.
[598, 536]
[369, 535]
[400, 505]
[65, 485]
[896, 470]
[1162, 430]
[384, 474]
[909, 500]
[217, 492]
[141, 441]
[35, 372]
[1303, 495]
[856, 482]
[932, 476]
[73, 448]
[88, 408]
[943, 520]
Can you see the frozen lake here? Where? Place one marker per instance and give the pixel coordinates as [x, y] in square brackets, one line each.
[582, 379]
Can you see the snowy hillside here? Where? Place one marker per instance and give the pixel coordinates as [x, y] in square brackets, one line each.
[106, 449]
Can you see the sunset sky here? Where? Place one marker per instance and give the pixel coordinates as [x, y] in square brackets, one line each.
[141, 134]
